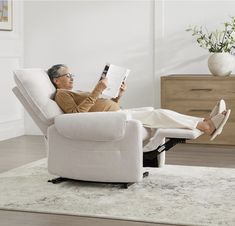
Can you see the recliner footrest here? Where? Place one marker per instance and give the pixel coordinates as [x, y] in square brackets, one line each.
[169, 144]
[150, 158]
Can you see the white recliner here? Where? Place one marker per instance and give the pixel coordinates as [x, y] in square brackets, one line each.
[94, 146]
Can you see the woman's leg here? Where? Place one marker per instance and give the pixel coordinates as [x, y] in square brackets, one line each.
[163, 118]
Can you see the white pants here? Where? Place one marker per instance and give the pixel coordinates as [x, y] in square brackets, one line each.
[163, 118]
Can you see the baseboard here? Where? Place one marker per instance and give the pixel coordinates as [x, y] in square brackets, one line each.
[11, 129]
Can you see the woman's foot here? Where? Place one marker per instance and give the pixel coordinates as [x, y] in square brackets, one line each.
[206, 126]
[219, 121]
[218, 108]
[214, 126]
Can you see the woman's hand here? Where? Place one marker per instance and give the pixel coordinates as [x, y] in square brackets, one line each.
[122, 89]
[102, 84]
[121, 92]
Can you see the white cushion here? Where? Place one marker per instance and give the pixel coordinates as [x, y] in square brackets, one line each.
[92, 126]
[38, 90]
[140, 109]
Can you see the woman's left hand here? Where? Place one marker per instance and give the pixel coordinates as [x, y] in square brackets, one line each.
[122, 89]
[121, 92]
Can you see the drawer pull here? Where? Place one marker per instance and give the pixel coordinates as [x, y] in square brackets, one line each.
[207, 90]
[200, 110]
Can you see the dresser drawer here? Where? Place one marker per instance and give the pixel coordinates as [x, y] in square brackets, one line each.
[196, 89]
[196, 95]
[197, 108]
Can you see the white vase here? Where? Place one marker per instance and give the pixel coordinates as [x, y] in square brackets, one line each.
[221, 64]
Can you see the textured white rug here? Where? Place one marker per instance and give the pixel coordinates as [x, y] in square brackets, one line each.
[172, 194]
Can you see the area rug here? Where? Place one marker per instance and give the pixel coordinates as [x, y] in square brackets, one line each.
[173, 194]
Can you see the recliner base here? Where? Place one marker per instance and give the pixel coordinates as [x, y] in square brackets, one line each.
[59, 180]
[150, 158]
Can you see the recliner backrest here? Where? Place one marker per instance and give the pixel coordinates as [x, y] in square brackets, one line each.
[37, 89]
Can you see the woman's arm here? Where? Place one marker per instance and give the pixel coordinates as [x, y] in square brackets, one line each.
[121, 92]
[67, 103]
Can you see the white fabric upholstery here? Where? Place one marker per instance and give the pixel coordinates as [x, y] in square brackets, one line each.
[110, 161]
[180, 133]
[37, 89]
[160, 135]
[92, 126]
[140, 109]
[98, 146]
[42, 126]
[104, 146]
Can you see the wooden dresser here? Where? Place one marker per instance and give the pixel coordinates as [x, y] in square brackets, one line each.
[196, 95]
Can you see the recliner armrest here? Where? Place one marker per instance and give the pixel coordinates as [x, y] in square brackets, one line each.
[140, 109]
[92, 126]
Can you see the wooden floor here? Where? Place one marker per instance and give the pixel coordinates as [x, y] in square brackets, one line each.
[25, 149]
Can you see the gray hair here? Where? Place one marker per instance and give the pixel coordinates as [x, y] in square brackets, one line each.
[55, 72]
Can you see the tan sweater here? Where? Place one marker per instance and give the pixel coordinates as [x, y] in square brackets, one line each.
[75, 102]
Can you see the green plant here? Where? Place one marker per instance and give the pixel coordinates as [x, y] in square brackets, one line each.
[216, 41]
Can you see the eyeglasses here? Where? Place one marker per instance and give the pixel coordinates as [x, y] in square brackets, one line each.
[68, 75]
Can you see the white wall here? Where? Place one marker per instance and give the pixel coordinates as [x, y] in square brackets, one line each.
[86, 34]
[176, 51]
[11, 57]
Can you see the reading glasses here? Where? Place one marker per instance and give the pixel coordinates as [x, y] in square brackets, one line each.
[68, 75]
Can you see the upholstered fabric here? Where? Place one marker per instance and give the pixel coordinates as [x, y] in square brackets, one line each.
[159, 136]
[92, 126]
[37, 89]
[97, 146]
[180, 133]
[102, 146]
[42, 126]
[107, 161]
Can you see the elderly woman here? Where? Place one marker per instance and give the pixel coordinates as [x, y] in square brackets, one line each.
[76, 102]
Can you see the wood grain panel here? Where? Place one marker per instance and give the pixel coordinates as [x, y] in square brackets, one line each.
[196, 95]
[196, 89]
[226, 137]
[197, 108]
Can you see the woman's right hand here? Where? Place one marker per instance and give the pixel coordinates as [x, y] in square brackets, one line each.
[103, 83]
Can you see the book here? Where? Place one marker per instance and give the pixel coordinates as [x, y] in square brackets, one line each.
[116, 75]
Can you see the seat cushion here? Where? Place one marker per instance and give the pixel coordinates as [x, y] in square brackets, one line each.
[36, 87]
